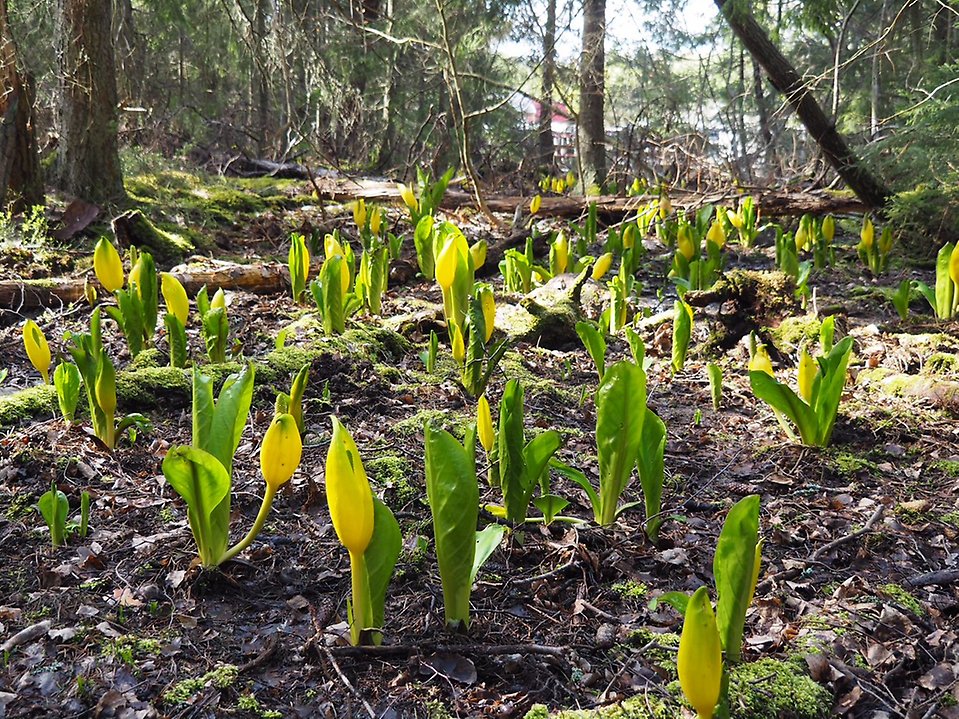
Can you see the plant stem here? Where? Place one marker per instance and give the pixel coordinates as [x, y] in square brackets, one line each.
[255, 529]
[362, 607]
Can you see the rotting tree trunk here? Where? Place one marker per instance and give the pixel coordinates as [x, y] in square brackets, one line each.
[799, 95]
[20, 177]
[591, 126]
[89, 160]
[546, 149]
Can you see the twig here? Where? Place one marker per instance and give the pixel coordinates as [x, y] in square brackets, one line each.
[34, 631]
[943, 576]
[347, 683]
[403, 650]
[870, 523]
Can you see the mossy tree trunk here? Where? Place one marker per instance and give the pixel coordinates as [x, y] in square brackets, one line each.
[89, 160]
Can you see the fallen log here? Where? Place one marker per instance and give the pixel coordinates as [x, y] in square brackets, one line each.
[771, 203]
[260, 278]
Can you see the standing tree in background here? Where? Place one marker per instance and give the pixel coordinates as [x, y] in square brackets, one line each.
[592, 88]
[546, 149]
[88, 164]
[20, 177]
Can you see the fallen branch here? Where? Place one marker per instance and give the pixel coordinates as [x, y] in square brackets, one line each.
[942, 577]
[404, 650]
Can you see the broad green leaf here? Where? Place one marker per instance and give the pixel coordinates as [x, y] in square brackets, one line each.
[487, 541]
[176, 336]
[423, 241]
[595, 344]
[620, 412]
[580, 479]
[651, 471]
[228, 417]
[381, 555]
[945, 289]
[202, 481]
[550, 505]
[827, 389]
[536, 457]
[682, 330]
[715, 383]
[66, 379]
[733, 567]
[453, 494]
[677, 600]
[216, 333]
[510, 441]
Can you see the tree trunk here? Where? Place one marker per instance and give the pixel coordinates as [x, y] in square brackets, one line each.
[875, 93]
[20, 178]
[546, 149]
[262, 89]
[591, 126]
[89, 161]
[798, 94]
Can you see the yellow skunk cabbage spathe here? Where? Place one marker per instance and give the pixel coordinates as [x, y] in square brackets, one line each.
[717, 233]
[488, 305]
[332, 246]
[760, 361]
[829, 228]
[954, 265]
[219, 300]
[484, 424]
[446, 264]
[348, 492]
[700, 659]
[602, 266]
[37, 349]
[807, 373]
[684, 243]
[534, 204]
[376, 220]
[408, 196]
[867, 233]
[281, 451]
[359, 213]
[177, 302]
[107, 265]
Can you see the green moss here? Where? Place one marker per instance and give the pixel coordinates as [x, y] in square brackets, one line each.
[28, 403]
[20, 506]
[149, 387]
[951, 518]
[847, 464]
[442, 419]
[222, 677]
[793, 331]
[770, 689]
[947, 467]
[630, 589]
[395, 473]
[941, 363]
[903, 598]
[513, 366]
[149, 358]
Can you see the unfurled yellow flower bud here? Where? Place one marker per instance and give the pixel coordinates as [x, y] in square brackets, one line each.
[409, 197]
[829, 228]
[478, 252]
[348, 492]
[954, 265]
[219, 300]
[177, 302]
[735, 219]
[106, 388]
[484, 424]
[281, 451]
[446, 264]
[458, 346]
[867, 233]
[700, 659]
[807, 373]
[602, 266]
[802, 236]
[534, 204]
[107, 265]
[359, 213]
[629, 237]
[716, 234]
[134, 277]
[684, 243]
[760, 361]
[37, 349]
[560, 253]
[665, 207]
[376, 220]
[488, 305]
[89, 292]
[332, 246]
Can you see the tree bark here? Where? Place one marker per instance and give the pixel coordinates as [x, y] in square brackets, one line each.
[546, 149]
[798, 94]
[89, 159]
[592, 91]
[20, 177]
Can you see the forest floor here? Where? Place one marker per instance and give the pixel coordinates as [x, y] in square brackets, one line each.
[124, 623]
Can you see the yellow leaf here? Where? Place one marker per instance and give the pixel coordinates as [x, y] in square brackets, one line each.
[37, 349]
[700, 659]
[177, 302]
[348, 492]
[281, 451]
[107, 265]
[484, 424]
